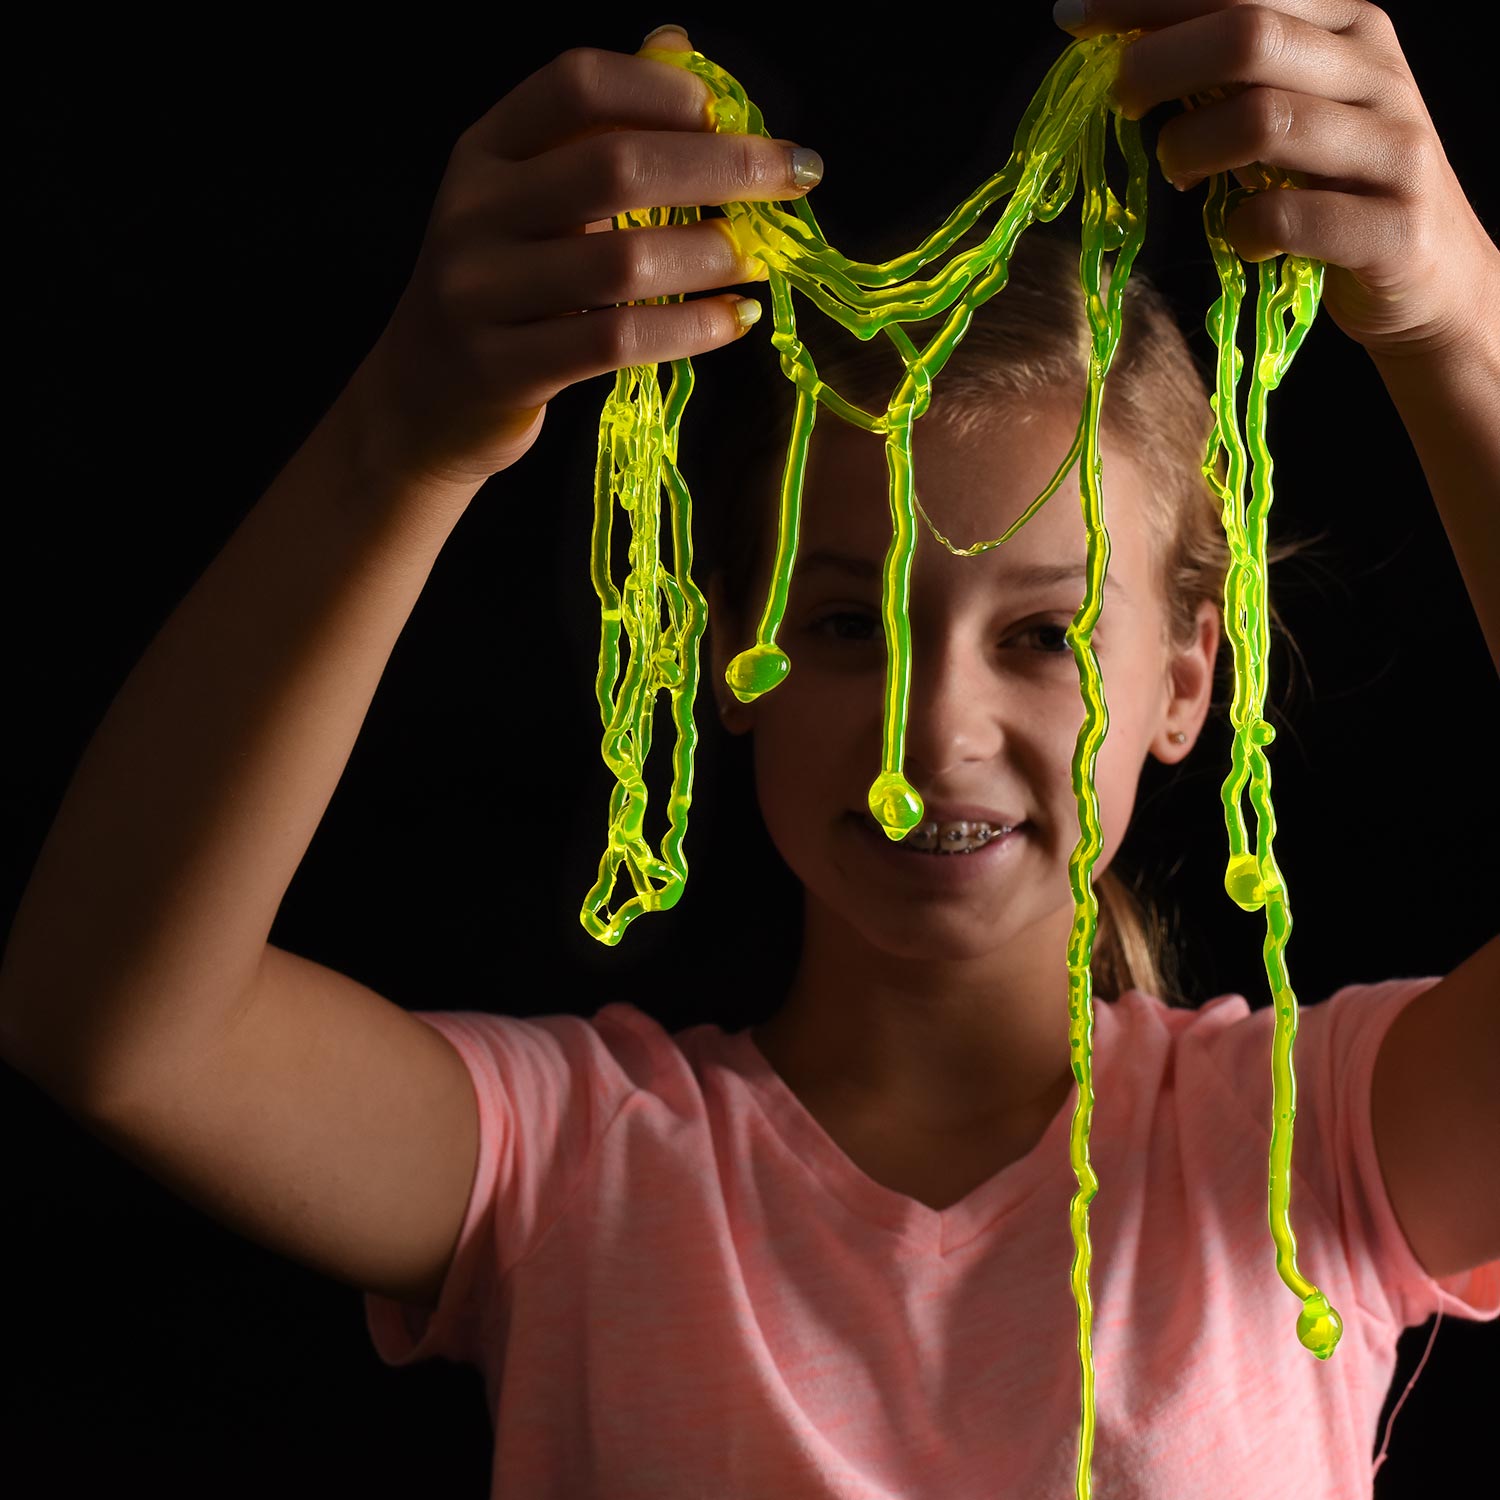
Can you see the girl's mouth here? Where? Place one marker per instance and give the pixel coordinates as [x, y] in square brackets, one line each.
[937, 867]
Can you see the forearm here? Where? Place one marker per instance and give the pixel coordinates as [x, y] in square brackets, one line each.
[1450, 404]
[150, 904]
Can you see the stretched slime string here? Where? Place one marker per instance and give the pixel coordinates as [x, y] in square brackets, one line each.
[1061, 136]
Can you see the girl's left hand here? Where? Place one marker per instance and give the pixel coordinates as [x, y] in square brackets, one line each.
[1321, 88]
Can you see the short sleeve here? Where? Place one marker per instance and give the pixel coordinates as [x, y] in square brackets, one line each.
[546, 1089]
[1333, 1147]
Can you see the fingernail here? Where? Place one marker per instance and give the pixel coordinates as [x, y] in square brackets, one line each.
[1069, 14]
[746, 311]
[651, 36]
[807, 167]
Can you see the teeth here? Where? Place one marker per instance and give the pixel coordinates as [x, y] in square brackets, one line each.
[957, 837]
[954, 838]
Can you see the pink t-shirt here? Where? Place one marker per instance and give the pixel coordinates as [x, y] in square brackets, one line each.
[677, 1285]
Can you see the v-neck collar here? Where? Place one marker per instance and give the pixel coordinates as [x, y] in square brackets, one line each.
[939, 1230]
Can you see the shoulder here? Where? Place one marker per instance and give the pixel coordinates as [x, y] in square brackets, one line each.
[1228, 1047]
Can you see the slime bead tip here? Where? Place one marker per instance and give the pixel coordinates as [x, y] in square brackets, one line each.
[1319, 1327]
[1243, 884]
[895, 803]
[756, 671]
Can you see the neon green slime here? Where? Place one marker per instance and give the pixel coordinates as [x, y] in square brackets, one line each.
[1061, 135]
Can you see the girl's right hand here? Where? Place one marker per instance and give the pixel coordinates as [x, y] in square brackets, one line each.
[512, 297]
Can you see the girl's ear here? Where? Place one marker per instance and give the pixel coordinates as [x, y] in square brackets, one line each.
[1190, 686]
[724, 645]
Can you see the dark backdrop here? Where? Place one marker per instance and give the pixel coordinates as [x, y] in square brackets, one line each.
[215, 226]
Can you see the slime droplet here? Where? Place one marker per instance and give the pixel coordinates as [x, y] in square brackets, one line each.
[1319, 1326]
[756, 671]
[896, 804]
[1242, 881]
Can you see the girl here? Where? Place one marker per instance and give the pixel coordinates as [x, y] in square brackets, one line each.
[820, 1256]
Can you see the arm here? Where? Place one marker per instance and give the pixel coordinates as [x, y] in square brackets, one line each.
[138, 989]
[147, 914]
[1432, 1096]
[1449, 400]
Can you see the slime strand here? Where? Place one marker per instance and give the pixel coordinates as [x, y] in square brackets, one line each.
[1060, 140]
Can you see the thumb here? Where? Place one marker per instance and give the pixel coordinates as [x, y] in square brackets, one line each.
[668, 38]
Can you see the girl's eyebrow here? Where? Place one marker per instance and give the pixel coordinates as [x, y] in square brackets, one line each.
[1016, 580]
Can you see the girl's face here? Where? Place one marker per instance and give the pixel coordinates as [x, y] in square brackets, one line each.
[995, 707]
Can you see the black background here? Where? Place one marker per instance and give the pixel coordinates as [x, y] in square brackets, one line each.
[215, 225]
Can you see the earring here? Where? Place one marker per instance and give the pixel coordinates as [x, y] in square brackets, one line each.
[1178, 737]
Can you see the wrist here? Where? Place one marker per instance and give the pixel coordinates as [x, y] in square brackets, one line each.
[1469, 336]
[386, 476]
[1461, 372]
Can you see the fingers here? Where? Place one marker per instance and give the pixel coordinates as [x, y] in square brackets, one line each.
[1249, 45]
[518, 283]
[1332, 143]
[587, 89]
[524, 284]
[1339, 228]
[532, 362]
[1095, 17]
[604, 175]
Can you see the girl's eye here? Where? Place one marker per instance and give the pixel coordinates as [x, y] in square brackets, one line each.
[1052, 636]
[836, 615]
[1062, 648]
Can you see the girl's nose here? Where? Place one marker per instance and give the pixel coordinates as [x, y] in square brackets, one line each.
[953, 715]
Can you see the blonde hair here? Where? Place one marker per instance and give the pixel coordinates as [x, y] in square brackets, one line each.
[1026, 346]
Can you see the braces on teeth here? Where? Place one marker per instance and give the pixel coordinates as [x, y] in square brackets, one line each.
[962, 838]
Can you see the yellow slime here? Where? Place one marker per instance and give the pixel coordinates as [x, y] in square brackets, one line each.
[1061, 136]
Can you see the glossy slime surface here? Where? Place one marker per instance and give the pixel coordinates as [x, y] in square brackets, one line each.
[1061, 138]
